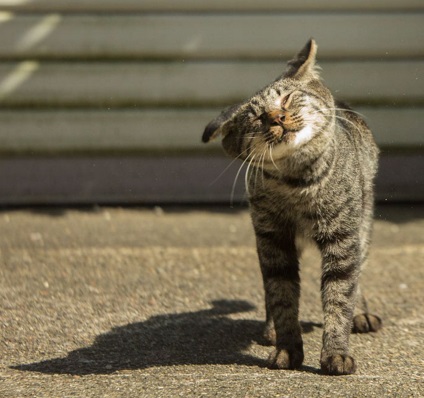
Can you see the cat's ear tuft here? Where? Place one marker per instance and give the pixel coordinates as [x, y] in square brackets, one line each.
[217, 126]
[303, 66]
[212, 130]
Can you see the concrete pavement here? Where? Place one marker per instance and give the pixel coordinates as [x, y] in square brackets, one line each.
[112, 302]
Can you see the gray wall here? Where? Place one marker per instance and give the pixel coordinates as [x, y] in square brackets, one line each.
[105, 100]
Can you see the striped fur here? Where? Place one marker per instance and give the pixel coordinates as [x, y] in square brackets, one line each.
[312, 162]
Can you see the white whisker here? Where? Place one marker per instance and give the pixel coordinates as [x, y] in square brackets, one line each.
[228, 166]
[262, 166]
[272, 158]
[236, 178]
[343, 110]
[322, 110]
[338, 118]
[246, 175]
[257, 171]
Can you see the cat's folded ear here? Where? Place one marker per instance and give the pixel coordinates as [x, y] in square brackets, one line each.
[303, 66]
[216, 126]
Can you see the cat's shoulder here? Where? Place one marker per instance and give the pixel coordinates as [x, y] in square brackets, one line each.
[354, 124]
[346, 111]
[351, 120]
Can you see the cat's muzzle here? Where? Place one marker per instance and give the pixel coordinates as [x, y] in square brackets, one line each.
[276, 131]
[276, 118]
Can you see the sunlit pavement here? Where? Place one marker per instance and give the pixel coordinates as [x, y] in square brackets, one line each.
[113, 302]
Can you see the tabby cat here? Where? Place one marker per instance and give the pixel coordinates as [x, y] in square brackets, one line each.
[311, 164]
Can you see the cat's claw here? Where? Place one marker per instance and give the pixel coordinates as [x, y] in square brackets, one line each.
[290, 358]
[337, 365]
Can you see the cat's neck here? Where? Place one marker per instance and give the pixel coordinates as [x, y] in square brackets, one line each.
[308, 160]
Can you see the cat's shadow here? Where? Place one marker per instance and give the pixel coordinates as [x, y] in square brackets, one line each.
[202, 337]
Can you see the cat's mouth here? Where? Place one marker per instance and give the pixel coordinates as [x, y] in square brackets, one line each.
[280, 134]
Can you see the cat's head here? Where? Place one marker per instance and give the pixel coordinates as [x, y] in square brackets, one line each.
[283, 116]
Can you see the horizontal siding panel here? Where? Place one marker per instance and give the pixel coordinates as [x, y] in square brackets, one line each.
[120, 91]
[275, 35]
[164, 180]
[160, 130]
[396, 127]
[144, 130]
[196, 5]
[195, 83]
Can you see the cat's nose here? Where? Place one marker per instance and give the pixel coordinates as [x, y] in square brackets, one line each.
[276, 118]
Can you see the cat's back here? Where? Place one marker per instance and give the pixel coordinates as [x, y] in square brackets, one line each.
[353, 125]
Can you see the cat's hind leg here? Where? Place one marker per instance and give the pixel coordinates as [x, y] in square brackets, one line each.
[363, 321]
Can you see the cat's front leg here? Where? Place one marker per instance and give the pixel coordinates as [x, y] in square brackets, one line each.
[340, 273]
[280, 271]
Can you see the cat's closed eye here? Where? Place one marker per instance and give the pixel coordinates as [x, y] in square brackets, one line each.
[286, 101]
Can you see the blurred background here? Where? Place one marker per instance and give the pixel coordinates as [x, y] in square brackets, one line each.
[105, 101]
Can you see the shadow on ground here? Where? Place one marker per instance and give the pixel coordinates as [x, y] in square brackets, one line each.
[202, 337]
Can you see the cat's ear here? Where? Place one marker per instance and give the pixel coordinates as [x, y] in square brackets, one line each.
[303, 66]
[217, 126]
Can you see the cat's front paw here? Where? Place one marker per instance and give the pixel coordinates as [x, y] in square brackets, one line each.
[365, 323]
[286, 358]
[337, 364]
